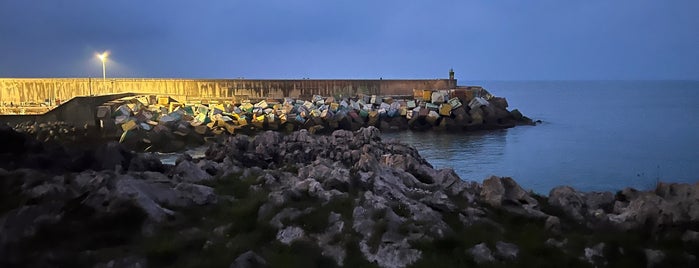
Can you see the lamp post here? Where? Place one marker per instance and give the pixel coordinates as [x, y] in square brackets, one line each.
[103, 58]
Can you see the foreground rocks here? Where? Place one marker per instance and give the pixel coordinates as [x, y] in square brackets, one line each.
[344, 199]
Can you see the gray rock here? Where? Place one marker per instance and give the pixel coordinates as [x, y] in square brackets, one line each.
[481, 254]
[111, 156]
[146, 162]
[568, 200]
[690, 236]
[368, 134]
[326, 240]
[25, 221]
[506, 251]
[553, 224]
[290, 234]
[555, 243]
[653, 257]
[644, 209]
[249, 260]
[198, 194]
[49, 190]
[599, 200]
[142, 196]
[499, 192]
[439, 201]
[595, 255]
[287, 214]
[189, 172]
[130, 261]
[391, 255]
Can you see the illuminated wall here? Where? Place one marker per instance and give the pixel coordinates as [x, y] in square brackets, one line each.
[38, 90]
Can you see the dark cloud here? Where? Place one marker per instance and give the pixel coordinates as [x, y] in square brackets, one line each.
[480, 39]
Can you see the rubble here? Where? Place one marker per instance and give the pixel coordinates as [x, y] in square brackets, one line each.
[164, 124]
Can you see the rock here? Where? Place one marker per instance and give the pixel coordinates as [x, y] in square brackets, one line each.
[24, 222]
[643, 211]
[568, 200]
[187, 171]
[506, 251]
[198, 194]
[690, 236]
[599, 200]
[555, 243]
[249, 260]
[185, 157]
[130, 261]
[50, 190]
[111, 156]
[595, 255]
[553, 225]
[653, 257]
[368, 134]
[142, 194]
[326, 240]
[391, 255]
[287, 214]
[146, 162]
[481, 254]
[504, 191]
[439, 201]
[290, 234]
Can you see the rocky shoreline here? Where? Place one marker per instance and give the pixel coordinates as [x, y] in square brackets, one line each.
[299, 200]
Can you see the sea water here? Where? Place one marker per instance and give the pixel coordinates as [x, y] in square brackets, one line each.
[595, 136]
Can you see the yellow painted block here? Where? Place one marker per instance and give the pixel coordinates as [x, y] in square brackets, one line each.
[427, 95]
[129, 125]
[230, 128]
[242, 121]
[445, 110]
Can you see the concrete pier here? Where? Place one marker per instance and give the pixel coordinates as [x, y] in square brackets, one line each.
[51, 91]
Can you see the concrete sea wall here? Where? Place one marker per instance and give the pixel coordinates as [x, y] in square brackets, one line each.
[24, 91]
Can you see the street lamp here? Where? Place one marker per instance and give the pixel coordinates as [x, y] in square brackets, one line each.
[103, 58]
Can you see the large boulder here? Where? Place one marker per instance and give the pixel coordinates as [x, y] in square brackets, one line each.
[481, 254]
[504, 191]
[581, 206]
[506, 251]
[187, 171]
[568, 200]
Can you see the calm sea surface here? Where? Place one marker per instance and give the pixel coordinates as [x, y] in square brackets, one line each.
[595, 136]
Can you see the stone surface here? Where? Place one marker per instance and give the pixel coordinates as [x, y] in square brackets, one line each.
[595, 255]
[290, 234]
[553, 224]
[653, 257]
[481, 254]
[249, 260]
[506, 251]
[383, 196]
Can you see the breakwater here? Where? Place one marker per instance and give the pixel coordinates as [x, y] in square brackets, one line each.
[51, 91]
[164, 124]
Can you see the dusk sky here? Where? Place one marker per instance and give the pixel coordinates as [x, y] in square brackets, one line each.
[481, 40]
